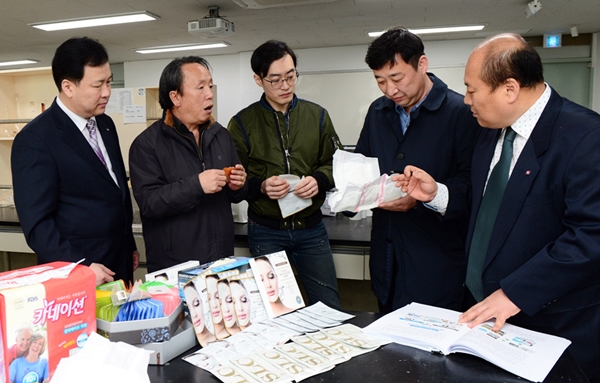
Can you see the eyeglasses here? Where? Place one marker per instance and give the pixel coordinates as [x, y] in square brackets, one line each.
[291, 80]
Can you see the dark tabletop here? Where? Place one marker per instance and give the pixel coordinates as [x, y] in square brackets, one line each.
[391, 363]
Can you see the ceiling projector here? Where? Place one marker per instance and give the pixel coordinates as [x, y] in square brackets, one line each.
[212, 25]
[532, 8]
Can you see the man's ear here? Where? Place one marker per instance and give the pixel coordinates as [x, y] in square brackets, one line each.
[66, 87]
[258, 80]
[175, 98]
[423, 64]
[511, 89]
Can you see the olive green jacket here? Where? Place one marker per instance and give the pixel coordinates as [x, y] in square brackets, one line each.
[301, 142]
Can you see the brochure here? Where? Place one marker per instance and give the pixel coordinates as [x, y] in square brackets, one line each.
[528, 354]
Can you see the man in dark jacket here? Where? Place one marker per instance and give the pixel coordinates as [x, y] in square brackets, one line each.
[177, 172]
[416, 254]
[69, 179]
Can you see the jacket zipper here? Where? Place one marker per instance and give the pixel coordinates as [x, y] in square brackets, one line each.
[198, 147]
[286, 152]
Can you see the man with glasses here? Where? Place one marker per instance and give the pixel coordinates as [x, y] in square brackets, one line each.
[280, 135]
[417, 254]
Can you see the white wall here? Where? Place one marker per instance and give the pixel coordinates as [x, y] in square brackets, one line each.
[237, 89]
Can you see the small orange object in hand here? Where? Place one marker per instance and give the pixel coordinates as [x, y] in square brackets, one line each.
[228, 172]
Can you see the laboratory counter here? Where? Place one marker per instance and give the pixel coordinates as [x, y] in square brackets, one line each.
[349, 239]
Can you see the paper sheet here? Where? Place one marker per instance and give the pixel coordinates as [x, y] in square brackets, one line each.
[101, 360]
[291, 203]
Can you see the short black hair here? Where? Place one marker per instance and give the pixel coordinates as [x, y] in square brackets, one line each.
[72, 56]
[264, 55]
[172, 78]
[396, 41]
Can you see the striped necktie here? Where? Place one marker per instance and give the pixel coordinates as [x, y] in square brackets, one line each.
[486, 217]
[91, 127]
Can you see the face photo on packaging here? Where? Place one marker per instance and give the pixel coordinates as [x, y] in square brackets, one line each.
[277, 283]
[198, 309]
[215, 306]
[227, 307]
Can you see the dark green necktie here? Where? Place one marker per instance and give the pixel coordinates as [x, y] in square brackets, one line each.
[486, 217]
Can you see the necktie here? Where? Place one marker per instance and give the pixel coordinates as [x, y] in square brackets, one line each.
[91, 127]
[486, 217]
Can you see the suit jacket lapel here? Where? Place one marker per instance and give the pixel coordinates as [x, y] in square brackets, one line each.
[112, 149]
[394, 120]
[522, 177]
[482, 156]
[72, 136]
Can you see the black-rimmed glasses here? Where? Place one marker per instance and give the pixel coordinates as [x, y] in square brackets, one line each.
[292, 79]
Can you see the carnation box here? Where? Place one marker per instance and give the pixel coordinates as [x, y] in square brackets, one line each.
[46, 313]
[142, 331]
[183, 339]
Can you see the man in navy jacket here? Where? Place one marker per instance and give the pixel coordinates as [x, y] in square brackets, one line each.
[416, 255]
[542, 265]
[71, 190]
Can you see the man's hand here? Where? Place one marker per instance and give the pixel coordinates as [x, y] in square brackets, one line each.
[497, 305]
[136, 259]
[417, 183]
[401, 204]
[237, 178]
[275, 188]
[307, 188]
[212, 180]
[103, 273]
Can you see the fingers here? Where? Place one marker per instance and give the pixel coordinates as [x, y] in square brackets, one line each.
[212, 180]
[275, 188]
[136, 260]
[474, 316]
[307, 188]
[497, 305]
[103, 273]
[238, 177]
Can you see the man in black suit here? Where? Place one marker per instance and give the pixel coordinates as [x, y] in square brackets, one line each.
[70, 186]
[534, 247]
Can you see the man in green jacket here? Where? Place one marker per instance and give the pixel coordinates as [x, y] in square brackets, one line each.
[280, 135]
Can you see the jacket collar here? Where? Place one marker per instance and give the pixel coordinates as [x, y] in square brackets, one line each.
[265, 104]
[171, 121]
[432, 102]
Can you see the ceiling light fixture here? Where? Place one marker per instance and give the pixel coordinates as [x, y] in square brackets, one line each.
[19, 62]
[423, 31]
[181, 47]
[95, 21]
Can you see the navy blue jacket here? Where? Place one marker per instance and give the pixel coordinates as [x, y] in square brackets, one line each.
[545, 247]
[429, 249]
[68, 205]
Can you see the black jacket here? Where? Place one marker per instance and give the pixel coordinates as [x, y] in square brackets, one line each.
[179, 221]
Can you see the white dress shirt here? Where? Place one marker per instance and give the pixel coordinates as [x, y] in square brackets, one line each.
[80, 122]
[523, 127]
